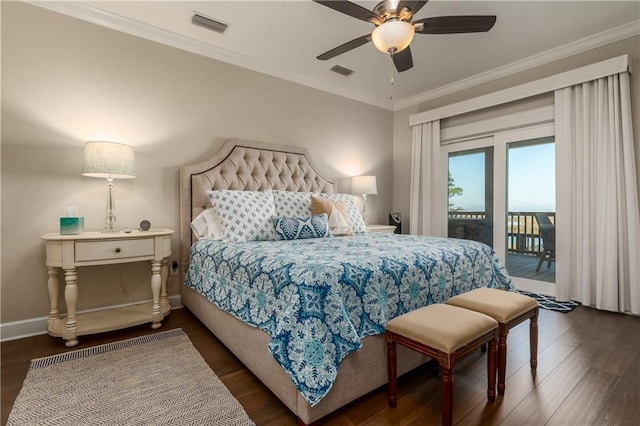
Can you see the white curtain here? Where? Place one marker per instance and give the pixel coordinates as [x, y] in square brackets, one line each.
[428, 202]
[598, 218]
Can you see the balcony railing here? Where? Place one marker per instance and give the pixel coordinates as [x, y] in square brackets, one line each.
[523, 235]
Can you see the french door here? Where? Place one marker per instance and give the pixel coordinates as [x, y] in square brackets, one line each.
[502, 193]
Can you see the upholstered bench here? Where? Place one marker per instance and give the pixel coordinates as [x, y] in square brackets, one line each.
[509, 309]
[445, 333]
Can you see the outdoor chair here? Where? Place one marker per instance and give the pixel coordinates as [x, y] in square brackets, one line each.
[548, 235]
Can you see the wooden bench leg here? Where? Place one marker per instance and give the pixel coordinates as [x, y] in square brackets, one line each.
[533, 340]
[502, 356]
[491, 371]
[391, 371]
[447, 394]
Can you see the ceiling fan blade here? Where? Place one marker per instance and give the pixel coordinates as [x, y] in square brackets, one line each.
[413, 6]
[455, 24]
[403, 60]
[351, 9]
[343, 48]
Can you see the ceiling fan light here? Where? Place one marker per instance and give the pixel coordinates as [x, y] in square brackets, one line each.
[393, 36]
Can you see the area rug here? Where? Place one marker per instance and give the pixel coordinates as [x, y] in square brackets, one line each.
[550, 303]
[158, 379]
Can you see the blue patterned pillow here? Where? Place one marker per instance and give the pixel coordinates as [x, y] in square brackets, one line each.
[292, 204]
[297, 228]
[244, 215]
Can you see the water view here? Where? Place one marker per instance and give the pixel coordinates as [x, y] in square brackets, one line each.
[530, 192]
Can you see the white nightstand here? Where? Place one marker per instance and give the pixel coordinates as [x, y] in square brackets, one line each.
[382, 228]
[67, 252]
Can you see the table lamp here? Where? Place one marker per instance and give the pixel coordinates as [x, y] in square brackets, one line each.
[111, 161]
[364, 185]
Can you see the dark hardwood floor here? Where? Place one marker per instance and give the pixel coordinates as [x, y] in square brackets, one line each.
[588, 373]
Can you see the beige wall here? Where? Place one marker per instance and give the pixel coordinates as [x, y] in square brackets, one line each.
[402, 131]
[65, 81]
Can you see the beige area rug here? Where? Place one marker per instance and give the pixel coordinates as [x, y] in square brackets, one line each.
[158, 379]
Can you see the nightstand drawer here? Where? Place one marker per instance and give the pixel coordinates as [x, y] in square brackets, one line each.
[113, 249]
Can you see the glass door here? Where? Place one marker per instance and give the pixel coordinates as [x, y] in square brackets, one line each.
[531, 191]
[502, 193]
[470, 188]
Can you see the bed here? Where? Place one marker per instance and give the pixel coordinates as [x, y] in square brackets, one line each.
[313, 367]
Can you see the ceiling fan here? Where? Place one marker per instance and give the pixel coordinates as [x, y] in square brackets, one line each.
[395, 27]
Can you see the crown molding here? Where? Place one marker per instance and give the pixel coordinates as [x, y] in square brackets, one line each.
[112, 21]
[588, 43]
[109, 20]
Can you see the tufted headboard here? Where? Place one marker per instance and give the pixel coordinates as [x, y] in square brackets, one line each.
[246, 166]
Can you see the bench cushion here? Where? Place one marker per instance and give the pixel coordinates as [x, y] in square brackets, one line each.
[501, 305]
[442, 327]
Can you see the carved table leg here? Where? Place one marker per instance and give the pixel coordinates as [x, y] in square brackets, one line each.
[446, 372]
[391, 371]
[164, 276]
[491, 370]
[156, 285]
[502, 356]
[533, 341]
[53, 286]
[71, 299]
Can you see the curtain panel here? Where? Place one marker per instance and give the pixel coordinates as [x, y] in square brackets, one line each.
[597, 206]
[598, 216]
[428, 201]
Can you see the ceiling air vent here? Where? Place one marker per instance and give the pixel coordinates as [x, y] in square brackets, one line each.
[342, 70]
[209, 23]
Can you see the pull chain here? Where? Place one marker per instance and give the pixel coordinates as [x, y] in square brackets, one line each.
[391, 81]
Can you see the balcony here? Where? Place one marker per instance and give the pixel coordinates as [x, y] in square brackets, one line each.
[524, 242]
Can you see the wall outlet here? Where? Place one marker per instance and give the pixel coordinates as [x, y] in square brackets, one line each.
[173, 267]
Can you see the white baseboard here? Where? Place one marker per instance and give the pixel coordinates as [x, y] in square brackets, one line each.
[36, 326]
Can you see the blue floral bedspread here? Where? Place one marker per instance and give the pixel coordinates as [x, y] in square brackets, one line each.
[317, 298]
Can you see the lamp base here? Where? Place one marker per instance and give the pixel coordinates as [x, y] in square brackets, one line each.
[110, 221]
[364, 209]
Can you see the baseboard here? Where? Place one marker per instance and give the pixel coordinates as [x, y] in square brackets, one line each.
[36, 326]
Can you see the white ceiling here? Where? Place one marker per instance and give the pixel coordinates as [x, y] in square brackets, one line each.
[283, 38]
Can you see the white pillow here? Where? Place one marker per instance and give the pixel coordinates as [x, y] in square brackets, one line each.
[292, 203]
[207, 225]
[245, 215]
[339, 224]
[336, 212]
[353, 212]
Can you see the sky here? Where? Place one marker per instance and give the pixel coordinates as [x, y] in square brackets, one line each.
[531, 179]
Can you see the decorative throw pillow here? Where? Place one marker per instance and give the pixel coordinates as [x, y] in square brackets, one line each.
[244, 215]
[292, 204]
[336, 212]
[353, 212]
[297, 228]
[207, 225]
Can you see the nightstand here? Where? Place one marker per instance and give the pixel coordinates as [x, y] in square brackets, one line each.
[68, 252]
[382, 228]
